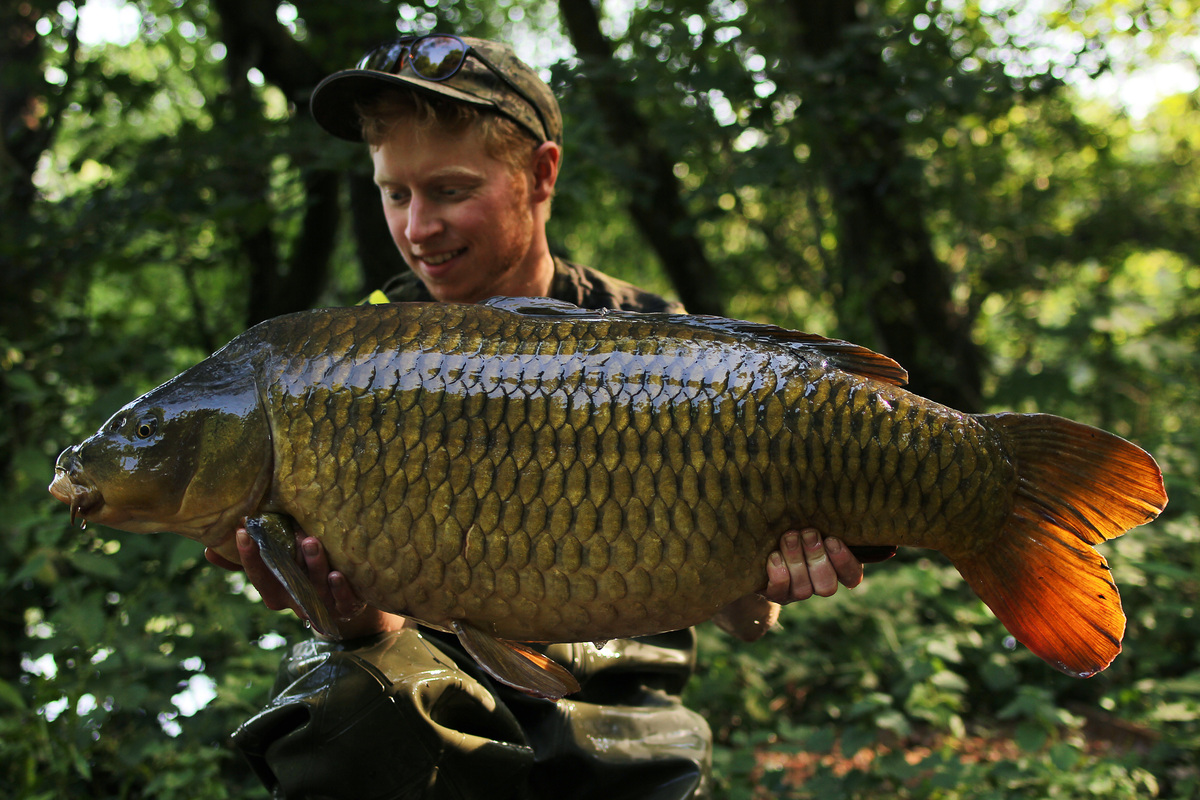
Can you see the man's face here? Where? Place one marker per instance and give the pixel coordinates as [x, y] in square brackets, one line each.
[462, 220]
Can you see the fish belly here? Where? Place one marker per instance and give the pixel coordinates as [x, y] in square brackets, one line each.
[566, 482]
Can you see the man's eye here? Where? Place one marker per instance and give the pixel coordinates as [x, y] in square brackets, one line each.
[395, 197]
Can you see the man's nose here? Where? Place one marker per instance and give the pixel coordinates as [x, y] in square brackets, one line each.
[424, 221]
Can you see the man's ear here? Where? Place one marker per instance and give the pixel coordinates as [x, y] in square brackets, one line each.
[545, 171]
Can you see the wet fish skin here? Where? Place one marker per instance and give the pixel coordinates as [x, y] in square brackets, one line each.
[534, 509]
[532, 472]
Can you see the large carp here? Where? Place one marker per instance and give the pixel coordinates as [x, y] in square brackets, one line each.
[527, 471]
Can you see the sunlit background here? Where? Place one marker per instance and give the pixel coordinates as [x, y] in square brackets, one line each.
[170, 208]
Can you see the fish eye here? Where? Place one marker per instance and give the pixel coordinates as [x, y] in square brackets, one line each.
[146, 427]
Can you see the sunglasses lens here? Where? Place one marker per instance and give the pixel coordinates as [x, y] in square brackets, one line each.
[384, 58]
[436, 58]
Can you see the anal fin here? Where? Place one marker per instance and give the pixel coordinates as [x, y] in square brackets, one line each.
[747, 618]
[516, 665]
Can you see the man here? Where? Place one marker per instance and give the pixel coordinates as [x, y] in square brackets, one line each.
[466, 142]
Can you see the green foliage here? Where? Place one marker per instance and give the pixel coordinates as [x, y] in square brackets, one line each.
[907, 687]
[1065, 230]
[115, 630]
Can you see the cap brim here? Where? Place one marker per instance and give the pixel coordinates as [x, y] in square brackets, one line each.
[333, 101]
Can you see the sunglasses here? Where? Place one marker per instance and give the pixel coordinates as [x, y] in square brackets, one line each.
[438, 57]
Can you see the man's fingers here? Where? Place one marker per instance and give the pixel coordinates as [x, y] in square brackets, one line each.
[218, 560]
[345, 602]
[316, 563]
[806, 564]
[274, 595]
[849, 569]
[779, 580]
[813, 573]
[332, 587]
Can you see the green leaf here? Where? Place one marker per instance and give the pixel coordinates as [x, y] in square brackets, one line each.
[11, 696]
[1065, 756]
[1030, 737]
[858, 737]
[95, 564]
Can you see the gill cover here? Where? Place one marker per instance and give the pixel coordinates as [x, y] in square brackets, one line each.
[186, 457]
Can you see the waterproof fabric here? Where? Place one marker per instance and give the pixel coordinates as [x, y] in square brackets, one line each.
[388, 717]
[409, 715]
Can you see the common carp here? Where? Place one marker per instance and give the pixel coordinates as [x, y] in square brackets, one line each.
[528, 471]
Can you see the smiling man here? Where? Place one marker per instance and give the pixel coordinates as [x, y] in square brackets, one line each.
[469, 226]
[466, 142]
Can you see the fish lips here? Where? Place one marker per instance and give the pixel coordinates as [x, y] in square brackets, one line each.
[72, 486]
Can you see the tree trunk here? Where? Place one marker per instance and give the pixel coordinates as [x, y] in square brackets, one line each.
[894, 288]
[255, 38]
[656, 202]
[29, 112]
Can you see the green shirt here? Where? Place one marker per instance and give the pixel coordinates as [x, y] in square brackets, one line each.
[573, 283]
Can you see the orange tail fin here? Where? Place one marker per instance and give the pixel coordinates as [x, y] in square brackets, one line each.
[1077, 486]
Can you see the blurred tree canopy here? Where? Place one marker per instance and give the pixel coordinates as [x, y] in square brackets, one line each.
[930, 179]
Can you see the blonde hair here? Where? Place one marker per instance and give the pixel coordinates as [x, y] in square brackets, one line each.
[503, 139]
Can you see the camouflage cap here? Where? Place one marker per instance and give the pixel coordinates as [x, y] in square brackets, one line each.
[490, 76]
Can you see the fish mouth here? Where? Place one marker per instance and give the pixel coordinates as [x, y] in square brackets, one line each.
[76, 491]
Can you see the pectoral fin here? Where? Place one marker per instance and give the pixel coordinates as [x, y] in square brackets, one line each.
[276, 539]
[515, 664]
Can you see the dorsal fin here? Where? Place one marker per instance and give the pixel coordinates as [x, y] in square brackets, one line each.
[843, 355]
[846, 356]
[541, 306]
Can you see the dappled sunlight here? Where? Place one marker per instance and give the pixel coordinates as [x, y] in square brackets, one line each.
[1003, 196]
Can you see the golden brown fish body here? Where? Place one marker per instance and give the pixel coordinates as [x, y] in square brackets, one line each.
[528, 471]
[556, 480]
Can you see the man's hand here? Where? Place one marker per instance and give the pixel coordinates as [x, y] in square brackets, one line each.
[804, 565]
[355, 618]
[807, 564]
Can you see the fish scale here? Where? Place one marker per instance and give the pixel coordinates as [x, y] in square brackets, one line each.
[526, 471]
[715, 470]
